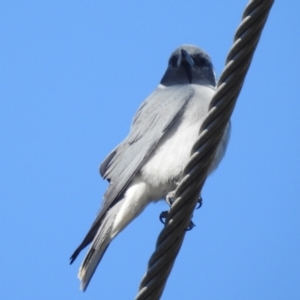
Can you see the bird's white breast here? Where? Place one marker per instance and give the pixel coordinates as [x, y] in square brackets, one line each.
[174, 150]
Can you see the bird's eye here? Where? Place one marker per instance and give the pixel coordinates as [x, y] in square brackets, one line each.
[201, 61]
[173, 61]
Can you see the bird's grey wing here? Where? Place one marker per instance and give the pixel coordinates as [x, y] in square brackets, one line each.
[106, 162]
[152, 120]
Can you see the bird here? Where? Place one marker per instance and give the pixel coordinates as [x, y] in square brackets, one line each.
[148, 164]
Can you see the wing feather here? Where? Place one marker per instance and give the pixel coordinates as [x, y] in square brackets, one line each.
[151, 122]
[153, 119]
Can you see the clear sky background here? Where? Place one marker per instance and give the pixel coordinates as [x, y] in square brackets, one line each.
[73, 74]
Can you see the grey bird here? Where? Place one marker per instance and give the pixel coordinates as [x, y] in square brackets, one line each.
[148, 164]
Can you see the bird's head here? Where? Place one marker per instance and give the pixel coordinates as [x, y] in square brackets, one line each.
[189, 64]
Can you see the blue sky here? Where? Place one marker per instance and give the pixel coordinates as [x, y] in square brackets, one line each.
[73, 74]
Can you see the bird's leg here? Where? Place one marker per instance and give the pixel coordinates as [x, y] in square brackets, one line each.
[170, 198]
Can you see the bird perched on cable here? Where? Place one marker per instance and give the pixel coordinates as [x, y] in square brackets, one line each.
[148, 164]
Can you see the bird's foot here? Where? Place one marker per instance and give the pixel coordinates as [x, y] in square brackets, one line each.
[200, 202]
[170, 198]
[164, 215]
[191, 226]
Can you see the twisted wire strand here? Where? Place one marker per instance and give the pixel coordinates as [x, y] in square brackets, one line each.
[186, 195]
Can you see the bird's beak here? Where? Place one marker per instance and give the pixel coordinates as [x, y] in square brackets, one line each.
[184, 56]
[186, 61]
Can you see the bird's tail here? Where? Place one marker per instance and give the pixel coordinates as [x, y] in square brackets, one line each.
[112, 223]
[98, 247]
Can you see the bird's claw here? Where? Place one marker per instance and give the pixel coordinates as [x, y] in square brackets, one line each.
[163, 216]
[200, 202]
[191, 226]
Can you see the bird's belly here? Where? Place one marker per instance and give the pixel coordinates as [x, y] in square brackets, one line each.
[171, 156]
[165, 165]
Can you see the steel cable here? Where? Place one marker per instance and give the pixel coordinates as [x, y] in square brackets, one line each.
[195, 173]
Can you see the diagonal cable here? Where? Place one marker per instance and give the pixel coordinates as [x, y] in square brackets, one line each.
[195, 173]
